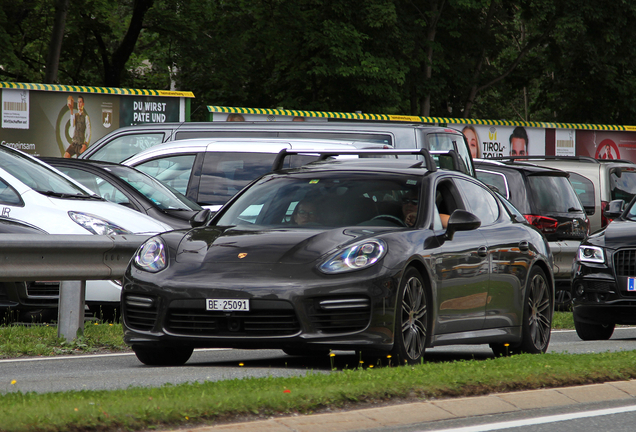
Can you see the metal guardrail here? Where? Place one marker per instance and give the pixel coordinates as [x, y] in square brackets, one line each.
[71, 259]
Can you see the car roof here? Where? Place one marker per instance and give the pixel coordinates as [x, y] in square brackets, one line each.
[248, 145]
[352, 126]
[525, 168]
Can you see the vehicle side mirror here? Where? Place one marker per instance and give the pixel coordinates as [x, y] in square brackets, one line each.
[461, 220]
[200, 218]
[615, 209]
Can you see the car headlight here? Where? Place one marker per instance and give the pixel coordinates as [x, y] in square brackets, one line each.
[96, 225]
[151, 256]
[356, 257]
[592, 254]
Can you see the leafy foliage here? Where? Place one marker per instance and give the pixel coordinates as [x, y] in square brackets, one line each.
[533, 60]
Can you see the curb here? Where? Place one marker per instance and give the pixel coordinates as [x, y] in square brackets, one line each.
[429, 411]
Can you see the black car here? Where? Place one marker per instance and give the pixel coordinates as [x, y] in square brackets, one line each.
[548, 201]
[604, 276]
[320, 257]
[131, 188]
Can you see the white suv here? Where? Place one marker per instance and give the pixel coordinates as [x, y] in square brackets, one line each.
[211, 171]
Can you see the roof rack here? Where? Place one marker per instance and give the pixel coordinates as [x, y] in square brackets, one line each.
[548, 157]
[324, 154]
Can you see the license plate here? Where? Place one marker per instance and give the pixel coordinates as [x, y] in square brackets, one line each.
[229, 305]
[631, 284]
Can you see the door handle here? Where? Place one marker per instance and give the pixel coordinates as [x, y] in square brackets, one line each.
[482, 251]
[524, 246]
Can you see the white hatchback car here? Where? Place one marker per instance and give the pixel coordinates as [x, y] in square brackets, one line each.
[210, 171]
[35, 192]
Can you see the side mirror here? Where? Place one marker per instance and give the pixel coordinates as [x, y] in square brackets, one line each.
[461, 220]
[615, 209]
[200, 218]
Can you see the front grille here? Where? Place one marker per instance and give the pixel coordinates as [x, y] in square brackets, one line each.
[140, 315]
[339, 314]
[265, 318]
[600, 286]
[625, 262]
[49, 290]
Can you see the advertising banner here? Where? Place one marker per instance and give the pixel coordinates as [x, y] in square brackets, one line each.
[606, 144]
[498, 141]
[66, 120]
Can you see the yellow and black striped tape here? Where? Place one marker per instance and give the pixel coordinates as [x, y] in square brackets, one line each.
[100, 90]
[414, 119]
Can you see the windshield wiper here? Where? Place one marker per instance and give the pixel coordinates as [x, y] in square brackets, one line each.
[574, 209]
[71, 196]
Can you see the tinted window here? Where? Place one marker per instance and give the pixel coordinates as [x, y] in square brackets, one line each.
[553, 194]
[584, 188]
[123, 147]
[495, 179]
[172, 170]
[329, 199]
[480, 202]
[8, 195]
[623, 183]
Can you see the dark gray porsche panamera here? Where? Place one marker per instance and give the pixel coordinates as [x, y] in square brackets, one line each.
[345, 254]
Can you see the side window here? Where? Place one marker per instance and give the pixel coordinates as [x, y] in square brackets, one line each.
[495, 179]
[9, 196]
[480, 201]
[584, 189]
[172, 170]
[123, 147]
[447, 200]
[448, 141]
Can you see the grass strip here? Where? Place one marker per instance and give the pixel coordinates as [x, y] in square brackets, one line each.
[192, 404]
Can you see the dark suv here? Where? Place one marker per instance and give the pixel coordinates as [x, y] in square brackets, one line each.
[547, 200]
[604, 276]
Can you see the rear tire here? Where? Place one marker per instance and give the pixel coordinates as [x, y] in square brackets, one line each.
[590, 332]
[163, 356]
[411, 319]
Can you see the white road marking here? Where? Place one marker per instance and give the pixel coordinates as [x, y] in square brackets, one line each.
[540, 420]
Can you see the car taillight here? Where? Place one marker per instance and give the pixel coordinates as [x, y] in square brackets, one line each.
[545, 224]
[604, 221]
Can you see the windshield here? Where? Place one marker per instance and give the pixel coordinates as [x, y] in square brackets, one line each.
[623, 183]
[37, 175]
[325, 200]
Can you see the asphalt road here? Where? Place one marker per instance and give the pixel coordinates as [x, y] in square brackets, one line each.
[118, 371]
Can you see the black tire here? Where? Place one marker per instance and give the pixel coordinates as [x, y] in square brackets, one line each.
[163, 356]
[411, 319]
[537, 314]
[589, 332]
[538, 310]
[563, 298]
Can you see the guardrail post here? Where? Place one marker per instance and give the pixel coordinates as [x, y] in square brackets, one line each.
[70, 315]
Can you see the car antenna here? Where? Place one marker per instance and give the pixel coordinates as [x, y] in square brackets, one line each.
[170, 137]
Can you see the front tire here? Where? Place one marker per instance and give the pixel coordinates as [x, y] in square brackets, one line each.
[411, 319]
[163, 356]
[590, 332]
[538, 309]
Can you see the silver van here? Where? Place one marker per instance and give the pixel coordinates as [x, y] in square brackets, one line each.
[125, 142]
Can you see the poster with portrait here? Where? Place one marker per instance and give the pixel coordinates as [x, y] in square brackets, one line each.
[498, 141]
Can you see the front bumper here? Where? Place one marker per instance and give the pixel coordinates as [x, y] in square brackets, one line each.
[320, 312]
[600, 296]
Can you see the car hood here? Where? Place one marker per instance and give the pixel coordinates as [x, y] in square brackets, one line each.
[281, 246]
[619, 233]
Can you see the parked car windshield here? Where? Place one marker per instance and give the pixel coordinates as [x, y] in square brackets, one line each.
[623, 183]
[36, 175]
[324, 200]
